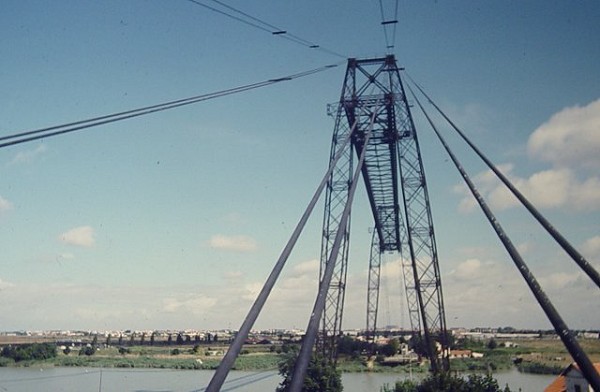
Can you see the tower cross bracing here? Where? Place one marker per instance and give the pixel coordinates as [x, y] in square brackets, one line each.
[373, 99]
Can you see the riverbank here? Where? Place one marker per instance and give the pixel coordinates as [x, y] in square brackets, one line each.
[71, 379]
[531, 356]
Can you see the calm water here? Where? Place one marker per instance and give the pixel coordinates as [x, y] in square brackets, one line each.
[138, 380]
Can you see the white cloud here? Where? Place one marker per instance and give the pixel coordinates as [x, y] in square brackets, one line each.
[79, 236]
[569, 138]
[591, 250]
[194, 304]
[570, 141]
[238, 243]
[251, 290]
[559, 280]
[5, 285]
[28, 156]
[526, 247]
[483, 292]
[467, 270]
[232, 275]
[307, 267]
[554, 188]
[478, 291]
[5, 205]
[473, 116]
[592, 247]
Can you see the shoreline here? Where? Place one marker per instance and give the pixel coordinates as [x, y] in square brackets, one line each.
[247, 362]
[527, 356]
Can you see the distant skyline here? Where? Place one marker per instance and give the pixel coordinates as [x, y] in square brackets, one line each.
[174, 220]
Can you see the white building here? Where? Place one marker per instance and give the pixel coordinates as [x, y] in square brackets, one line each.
[571, 380]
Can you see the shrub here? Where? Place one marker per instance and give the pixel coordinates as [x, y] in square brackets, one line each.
[445, 382]
[27, 352]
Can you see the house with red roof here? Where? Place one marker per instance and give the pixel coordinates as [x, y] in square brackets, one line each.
[571, 380]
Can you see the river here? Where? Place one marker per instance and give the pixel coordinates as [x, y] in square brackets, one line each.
[151, 380]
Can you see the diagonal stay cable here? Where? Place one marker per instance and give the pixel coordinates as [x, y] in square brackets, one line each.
[234, 349]
[395, 24]
[27, 136]
[241, 20]
[260, 24]
[566, 335]
[385, 33]
[310, 336]
[389, 38]
[558, 237]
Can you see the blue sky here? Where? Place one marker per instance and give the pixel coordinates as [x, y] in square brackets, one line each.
[174, 220]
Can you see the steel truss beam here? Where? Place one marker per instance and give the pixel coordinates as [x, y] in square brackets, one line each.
[392, 158]
[373, 290]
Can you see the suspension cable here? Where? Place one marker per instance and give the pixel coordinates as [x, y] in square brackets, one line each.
[27, 136]
[260, 24]
[558, 237]
[566, 335]
[390, 39]
[235, 347]
[310, 336]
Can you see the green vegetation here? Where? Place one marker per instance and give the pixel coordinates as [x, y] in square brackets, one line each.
[257, 361]
[321, 376]
[546, 356]
[539, 368]
[132, 362]
[448, 383]
[29, 352]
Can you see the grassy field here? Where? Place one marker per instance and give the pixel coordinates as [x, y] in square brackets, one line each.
[550, 356]
[536, 355]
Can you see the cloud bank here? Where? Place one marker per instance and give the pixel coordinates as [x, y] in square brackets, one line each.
[5, 205]
[570, 142]
[569, 138]
[239, 243]
[80, 236]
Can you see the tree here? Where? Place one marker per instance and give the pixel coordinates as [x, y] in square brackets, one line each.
[445, 382]
[417, 344]
[27, 352]
[349, 346]
[152, 337]
[87, 350]
[321, 375]
[108, 340]
[121, 340]
[492, 344]
[143, 339]
[179, 339]
[391, 348]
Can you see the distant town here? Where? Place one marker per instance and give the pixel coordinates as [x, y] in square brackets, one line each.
[393, 349]
[266, 336]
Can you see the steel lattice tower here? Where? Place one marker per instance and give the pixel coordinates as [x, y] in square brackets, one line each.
[373, 100]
